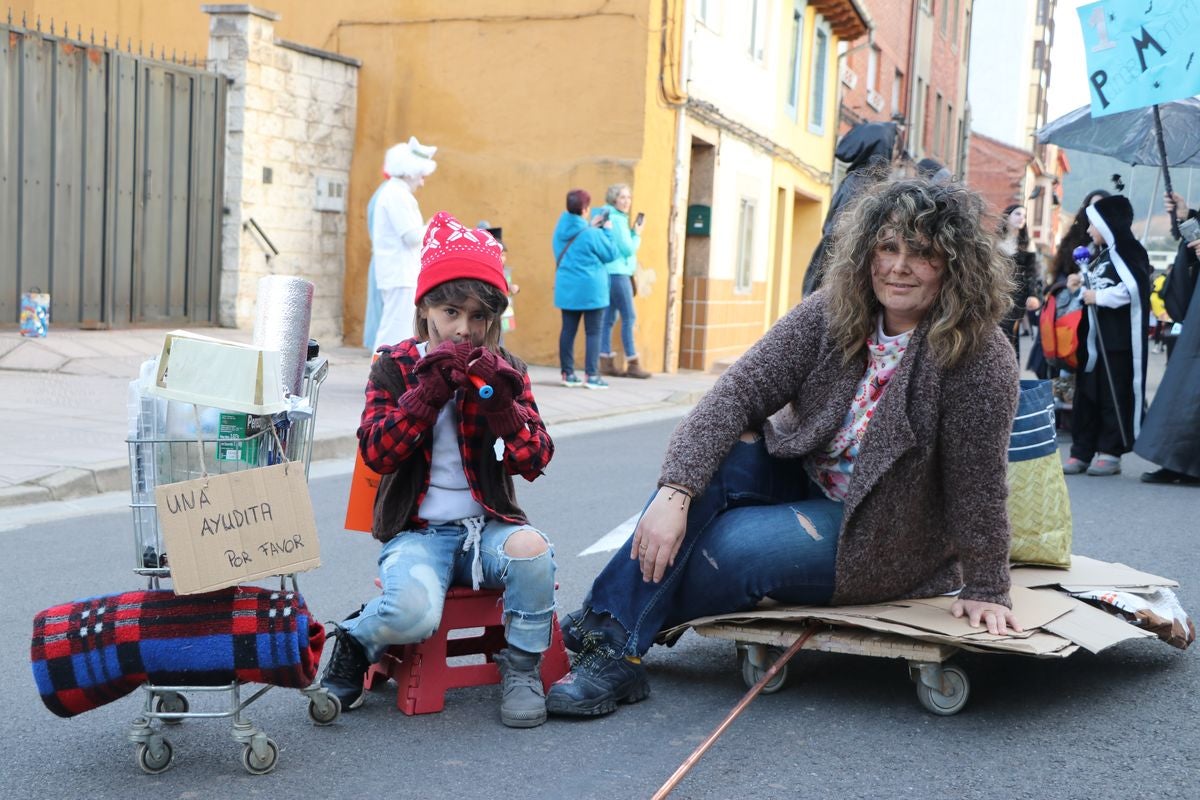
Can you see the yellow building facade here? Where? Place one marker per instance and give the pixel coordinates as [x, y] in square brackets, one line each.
[527, 99]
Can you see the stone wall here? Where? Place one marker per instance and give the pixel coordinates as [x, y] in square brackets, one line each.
[290, 136]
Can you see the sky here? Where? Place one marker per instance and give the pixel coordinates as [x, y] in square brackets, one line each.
[1068, 71]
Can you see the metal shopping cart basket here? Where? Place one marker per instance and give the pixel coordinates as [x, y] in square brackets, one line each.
[156, 459]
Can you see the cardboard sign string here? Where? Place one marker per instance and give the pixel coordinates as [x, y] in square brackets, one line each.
[282, 449]
[199, 442]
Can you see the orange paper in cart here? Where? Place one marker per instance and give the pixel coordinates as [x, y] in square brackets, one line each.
[364, 486]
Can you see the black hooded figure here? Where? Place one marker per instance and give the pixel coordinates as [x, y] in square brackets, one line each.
[1171, 435]
[867, 147]
[1120, 277]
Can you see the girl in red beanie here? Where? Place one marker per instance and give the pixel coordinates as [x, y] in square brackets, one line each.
[449, 418]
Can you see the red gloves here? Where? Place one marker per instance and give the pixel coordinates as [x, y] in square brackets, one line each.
[439, 374]
[503, 415]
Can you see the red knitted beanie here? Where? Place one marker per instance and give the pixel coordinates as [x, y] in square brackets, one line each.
[451, 251]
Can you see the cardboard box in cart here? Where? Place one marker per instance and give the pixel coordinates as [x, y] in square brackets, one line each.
[212, 372]
[239, 526]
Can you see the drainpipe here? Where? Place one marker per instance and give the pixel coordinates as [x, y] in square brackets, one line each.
[675, 239]
[841, 61]
[909, 122]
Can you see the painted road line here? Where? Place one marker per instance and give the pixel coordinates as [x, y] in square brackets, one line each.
[614, 538]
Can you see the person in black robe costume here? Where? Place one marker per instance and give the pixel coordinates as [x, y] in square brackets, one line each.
[1110, 386]
[868, 149]
[1171, 435]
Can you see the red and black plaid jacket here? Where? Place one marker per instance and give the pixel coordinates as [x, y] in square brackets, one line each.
[400, 447]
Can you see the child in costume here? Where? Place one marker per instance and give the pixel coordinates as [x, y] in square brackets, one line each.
[449, 419]
[1110, 385]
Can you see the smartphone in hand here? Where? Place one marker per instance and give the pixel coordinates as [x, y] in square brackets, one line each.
[1189, 229]
[641, 217]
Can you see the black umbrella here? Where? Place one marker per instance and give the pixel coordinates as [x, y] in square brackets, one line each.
[1143, 136]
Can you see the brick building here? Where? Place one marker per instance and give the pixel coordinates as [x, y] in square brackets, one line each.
[998, 171]
[913, 63]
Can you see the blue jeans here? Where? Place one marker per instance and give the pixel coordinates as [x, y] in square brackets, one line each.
[760, 529]
[418, 567]
[591, 339]
[620, 301]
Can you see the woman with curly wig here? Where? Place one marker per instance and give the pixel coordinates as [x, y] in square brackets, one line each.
[856, 453]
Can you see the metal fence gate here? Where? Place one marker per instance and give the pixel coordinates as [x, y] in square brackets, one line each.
[111, 183]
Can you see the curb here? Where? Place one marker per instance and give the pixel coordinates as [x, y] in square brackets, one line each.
[69, 483]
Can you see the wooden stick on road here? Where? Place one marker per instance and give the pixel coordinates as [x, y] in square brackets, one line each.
[691, 760]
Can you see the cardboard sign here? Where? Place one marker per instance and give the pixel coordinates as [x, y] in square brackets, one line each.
[228, 529]
[364, 486]
[1139, 54]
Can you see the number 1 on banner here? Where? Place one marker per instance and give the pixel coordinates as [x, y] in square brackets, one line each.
[1098, 22]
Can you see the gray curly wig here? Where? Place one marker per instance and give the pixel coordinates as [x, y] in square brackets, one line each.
[946, 221]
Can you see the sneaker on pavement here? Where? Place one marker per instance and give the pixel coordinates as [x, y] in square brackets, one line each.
[1074, 466]
[1104, 464]
[600, 677]
[346, 670]
[522, 699]
[571, 380]
[595, 382]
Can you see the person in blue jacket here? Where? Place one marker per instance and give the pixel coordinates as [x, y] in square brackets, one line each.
[621, 288]
[581, 285]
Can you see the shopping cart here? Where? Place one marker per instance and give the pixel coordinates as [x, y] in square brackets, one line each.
[156, 459]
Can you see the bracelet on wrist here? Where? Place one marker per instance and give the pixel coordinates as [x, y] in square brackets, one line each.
[677, 490]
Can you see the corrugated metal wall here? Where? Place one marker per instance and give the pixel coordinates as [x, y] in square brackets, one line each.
[111, 183]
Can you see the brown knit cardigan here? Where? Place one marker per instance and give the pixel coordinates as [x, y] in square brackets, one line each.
[925, 511]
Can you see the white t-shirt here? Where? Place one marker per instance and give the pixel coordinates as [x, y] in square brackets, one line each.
[449, 496]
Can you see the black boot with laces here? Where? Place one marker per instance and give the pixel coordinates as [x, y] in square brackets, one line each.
[346, 670]
[600, 678]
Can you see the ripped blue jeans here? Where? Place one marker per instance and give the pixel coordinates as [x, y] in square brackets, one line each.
[760, 529]
[418, 567]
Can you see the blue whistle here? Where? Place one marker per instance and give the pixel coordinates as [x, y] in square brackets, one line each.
[485, 390]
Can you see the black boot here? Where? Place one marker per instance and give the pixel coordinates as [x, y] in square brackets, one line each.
[346, 671]
[1164, 475]
[601, 676]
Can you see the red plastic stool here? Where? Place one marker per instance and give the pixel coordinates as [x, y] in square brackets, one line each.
[421, 671]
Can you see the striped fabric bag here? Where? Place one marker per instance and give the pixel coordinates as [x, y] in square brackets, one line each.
[1039, 508]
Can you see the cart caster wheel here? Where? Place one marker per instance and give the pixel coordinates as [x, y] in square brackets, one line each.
[260, 766]
[946, 704]
[170, 703]
[153, 763]
[752, 674]
[324, 709]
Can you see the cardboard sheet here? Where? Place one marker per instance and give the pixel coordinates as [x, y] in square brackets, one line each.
[1095, 630]
[1056, 624]
[1089, 573]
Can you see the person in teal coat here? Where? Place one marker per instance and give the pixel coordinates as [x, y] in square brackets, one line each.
[621, 270]
[581, 285]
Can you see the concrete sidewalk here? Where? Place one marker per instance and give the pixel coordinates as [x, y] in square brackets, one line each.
[63, 420]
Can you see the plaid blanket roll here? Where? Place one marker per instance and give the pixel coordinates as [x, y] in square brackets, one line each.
[90, 652]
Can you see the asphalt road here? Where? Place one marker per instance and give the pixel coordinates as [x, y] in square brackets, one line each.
[1123, 724]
